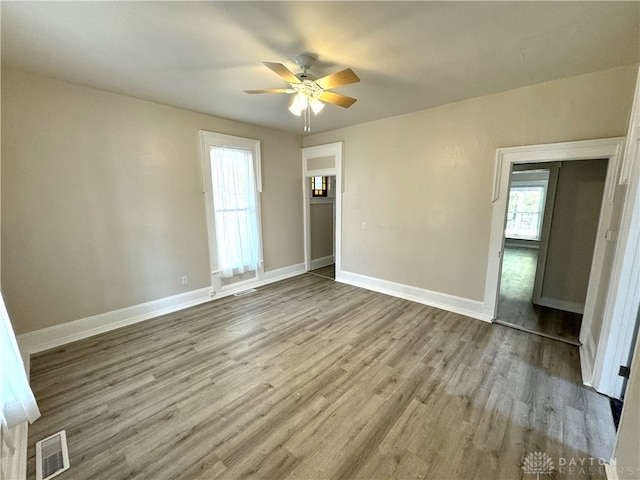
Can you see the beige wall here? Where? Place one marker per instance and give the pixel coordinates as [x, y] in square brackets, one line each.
[422, 181]
[572, 236]
[102, 205]
[321, 223]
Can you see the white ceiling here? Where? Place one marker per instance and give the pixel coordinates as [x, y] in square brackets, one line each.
[409, 55]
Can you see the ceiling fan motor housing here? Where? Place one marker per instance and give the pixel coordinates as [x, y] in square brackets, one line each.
[305, 62]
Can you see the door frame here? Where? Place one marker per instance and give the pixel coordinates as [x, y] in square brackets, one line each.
[322, 167]
[608, 148]
[622, 313]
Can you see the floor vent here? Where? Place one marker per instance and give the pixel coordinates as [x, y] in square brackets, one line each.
[52, 456]
[245, 292]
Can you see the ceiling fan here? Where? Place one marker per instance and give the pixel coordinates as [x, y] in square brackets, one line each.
[311, 92]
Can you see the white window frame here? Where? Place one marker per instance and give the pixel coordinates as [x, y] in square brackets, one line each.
[212, 139]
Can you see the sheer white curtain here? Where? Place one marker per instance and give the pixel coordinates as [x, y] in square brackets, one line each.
[235, 207]
[16, 398]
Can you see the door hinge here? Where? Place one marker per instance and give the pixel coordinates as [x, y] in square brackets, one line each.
[624, 371]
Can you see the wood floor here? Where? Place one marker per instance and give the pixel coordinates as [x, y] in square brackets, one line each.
[313, 379]
[328, 272]
[514, 302]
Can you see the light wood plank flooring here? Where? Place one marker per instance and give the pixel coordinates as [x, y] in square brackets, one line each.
[328, 272]
[514, 302]
[313, 379]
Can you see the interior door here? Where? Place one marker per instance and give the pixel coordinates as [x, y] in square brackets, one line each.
[570, 237]
[545, 231]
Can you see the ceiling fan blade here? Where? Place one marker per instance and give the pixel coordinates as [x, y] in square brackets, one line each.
[271, 90]
[283, 71]
[344, 77]
[337, 99]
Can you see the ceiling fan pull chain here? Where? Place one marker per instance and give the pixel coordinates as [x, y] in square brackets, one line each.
[307, 119]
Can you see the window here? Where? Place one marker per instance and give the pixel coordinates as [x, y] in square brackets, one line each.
[234, 203]
[319, 186]
[525, 211]
[232, 181]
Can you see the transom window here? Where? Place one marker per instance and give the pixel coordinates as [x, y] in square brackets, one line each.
[319, 186]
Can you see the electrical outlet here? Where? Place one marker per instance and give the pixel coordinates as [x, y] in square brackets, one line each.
[185, 279]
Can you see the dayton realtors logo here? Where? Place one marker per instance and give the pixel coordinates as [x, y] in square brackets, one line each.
[538, 463]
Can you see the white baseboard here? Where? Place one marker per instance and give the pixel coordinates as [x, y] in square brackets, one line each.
[51, 337]
[561, 305]
[265, 279]
[463, 306]
[283, 273]
[322, 262]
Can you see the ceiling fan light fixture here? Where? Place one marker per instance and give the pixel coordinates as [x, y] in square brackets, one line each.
[316, 106]
[310, 94]
[295, 110]
[298, 104]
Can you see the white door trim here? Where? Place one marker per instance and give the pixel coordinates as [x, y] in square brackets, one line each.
[320, 151]
[609, 148]
[615, 345]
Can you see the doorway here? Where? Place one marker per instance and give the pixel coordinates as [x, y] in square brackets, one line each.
[593, 321]
[322, 208]
[322, 190]
[552, 220]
